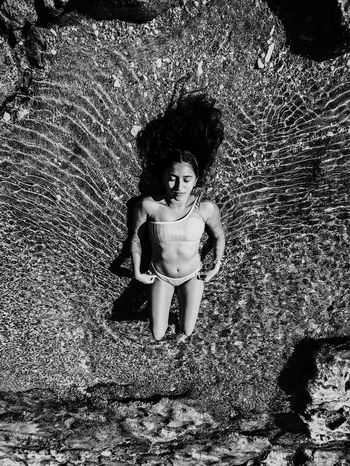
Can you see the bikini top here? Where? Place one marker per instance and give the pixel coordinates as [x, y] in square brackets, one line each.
[187, 228]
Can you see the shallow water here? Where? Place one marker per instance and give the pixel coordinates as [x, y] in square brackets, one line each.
[68, 169]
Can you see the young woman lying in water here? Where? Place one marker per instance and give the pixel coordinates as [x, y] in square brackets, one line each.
[174, 215]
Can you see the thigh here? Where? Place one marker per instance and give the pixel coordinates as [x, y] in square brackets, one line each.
[161, 295]
[190, 296]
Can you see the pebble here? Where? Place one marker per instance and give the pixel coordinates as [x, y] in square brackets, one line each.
[269, 52]
[260, 63]
[200, 69]
[68, 422]
[116, 82]
[6, 117]
[135, 130]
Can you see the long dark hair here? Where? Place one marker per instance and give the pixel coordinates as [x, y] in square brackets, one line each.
[190, 130]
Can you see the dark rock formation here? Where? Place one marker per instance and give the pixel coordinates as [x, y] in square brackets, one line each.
[15, 14]
[24, 24]
[319, 29]
[316, 378]
[135, 11]
[50, 10]
[8, 72]
[328, 413]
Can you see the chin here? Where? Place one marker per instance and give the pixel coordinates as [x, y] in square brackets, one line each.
[180, 195]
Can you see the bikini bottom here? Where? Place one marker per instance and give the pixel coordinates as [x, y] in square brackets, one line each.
[176, 281]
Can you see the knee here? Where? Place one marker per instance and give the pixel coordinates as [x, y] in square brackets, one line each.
[188, 330]
[158, 333]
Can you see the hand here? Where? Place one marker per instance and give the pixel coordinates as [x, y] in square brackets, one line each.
[146, 278]
[206, 276]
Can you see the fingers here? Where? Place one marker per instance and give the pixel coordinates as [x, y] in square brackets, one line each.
[147, 279]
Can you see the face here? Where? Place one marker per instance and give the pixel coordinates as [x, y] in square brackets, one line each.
[179, 179]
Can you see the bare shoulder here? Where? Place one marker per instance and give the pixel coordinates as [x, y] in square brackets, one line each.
[147, 205]
[208, 208]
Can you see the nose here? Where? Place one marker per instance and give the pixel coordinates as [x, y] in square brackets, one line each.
[181, 185]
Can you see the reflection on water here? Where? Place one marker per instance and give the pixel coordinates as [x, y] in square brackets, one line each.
[68, 168]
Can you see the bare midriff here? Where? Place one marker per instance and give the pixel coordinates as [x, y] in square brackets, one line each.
[176, 259]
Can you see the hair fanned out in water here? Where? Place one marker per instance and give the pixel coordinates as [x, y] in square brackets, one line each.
[193, 124]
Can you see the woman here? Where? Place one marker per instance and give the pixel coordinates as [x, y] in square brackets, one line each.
[177, 150]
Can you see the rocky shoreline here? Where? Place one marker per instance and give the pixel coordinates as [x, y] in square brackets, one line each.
[167, 432]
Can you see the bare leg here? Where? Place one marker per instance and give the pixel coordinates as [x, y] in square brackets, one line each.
[190, 296]
[161, 295]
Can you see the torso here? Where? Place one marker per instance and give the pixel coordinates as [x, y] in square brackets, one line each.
[175, 241]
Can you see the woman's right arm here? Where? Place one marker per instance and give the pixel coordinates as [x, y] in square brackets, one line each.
[139, 226]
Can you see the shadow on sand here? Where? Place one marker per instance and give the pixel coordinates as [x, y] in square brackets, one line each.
[132, 304]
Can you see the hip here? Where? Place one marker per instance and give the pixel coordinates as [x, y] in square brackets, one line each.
[176, 281]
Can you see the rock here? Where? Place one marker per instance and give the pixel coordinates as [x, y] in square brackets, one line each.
[269, 52]
[137, 11]
[320, 31]
[327, 457]
[317, 380]
[200, 69]
[135, 130]
[116, 82]
[15, 14]
[328, 413]
[169, 420]
[260, 64]
[243, 449]
[36, 45]
[50, 10]
[10, 462]
[278, 457]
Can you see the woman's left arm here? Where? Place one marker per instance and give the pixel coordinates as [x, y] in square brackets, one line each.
[213, 222]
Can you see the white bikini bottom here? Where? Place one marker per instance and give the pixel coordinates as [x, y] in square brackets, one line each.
[176, 281]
